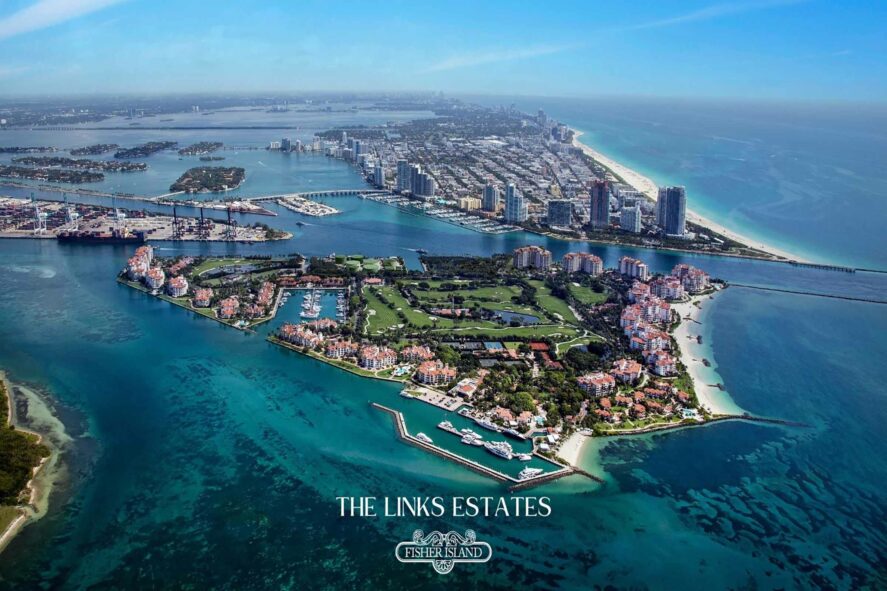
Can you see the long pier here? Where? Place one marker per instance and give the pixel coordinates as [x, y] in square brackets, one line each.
[811, 293]
[319, 194]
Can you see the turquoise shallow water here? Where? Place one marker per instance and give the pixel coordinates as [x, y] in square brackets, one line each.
[207, 457]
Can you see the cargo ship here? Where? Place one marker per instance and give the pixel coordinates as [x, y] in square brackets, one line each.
[112, 237]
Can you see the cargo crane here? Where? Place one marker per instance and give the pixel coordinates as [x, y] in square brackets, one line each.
[73, 218]
[39, 217]
[203, 227]
[119, 217]
[231, 231]
[177, 230]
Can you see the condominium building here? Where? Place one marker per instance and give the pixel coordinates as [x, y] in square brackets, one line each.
[585, 262]
[515, 206]
[531, 256]
[630, 219]
[634, 268]
[177, 287]
[599, 206]
[560, 213]
[435, 373]
[671, 210]
[491, 198]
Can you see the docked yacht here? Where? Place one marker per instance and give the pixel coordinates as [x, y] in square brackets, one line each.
[424, 438]
[524, 457]
[499, 448]
[528, 473]
[488, 425]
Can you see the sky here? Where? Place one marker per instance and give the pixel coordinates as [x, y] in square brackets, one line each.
[816, 50]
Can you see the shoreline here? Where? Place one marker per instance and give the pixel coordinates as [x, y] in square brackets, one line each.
[649, 188]
[43, 476]
[711, 398]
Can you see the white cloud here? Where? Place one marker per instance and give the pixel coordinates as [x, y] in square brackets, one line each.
[468, 60]
[712, 12]
[46, 13]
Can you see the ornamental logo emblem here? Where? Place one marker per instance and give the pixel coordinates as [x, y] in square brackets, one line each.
[443, 551]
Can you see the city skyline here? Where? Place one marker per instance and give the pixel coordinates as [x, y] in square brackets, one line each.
[765, 49]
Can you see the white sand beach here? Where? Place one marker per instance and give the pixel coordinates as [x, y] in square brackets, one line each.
[715, 400]
[651, 190]
[571, 450]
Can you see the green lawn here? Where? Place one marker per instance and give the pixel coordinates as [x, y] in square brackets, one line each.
[553, 304]
[587, 296]
[380, 317]
[504, 332]
[566, 345]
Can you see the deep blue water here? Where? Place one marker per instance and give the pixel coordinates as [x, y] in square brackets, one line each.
[206, 457]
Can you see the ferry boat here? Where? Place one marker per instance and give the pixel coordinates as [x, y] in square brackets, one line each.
[499, 448]
[488, 425]
[528, 473]
[424, 438]
[524, 457]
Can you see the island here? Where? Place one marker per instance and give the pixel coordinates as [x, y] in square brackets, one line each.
[21, 454]
[209, 179]
[80, 163]
[144, 150]
[538, 350]
[26, 149]
[94, 149]
[51, 175]
[200, 148]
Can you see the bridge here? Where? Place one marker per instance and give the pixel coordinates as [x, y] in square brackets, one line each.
[320, 194]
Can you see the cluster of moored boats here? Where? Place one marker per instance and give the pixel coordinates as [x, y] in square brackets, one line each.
[341, 307]
[311, 304]
[498, 448]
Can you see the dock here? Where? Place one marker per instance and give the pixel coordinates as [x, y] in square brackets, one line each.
[516, 484]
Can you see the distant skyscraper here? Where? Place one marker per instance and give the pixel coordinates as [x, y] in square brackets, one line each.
[379, 174]
[491, 198]
[344, 138]
[671, 210]
[285, 145]
[415, 179]
[403, 175]
[599, 210]
[515, 207]
[357, 150]
[560, 213]
[630, 219]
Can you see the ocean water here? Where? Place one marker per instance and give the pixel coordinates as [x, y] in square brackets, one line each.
[807, 178]
[206, 457]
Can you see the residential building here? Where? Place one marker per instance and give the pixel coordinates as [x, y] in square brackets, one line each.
[491, 198]
[375, 358]
[177, 287]
[597, 384]
[403, 175]
[416, 353]
[339, 348]
[634, 268]
[671, 210]
[585, 262]
[627, 371]
[155, 277]
[599, 207]
[630, 219]
[379, 175]
[531, 256]
[228, 307]
[516, 210]
[202, 298]
[435, 373]
[694, 280]
[560, 213]
[468, 203]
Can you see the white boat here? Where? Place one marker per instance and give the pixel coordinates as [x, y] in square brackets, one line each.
[499, 448]
[524, 457]
[468, 431]
[468, 440]
[446, 426]
[488, 425]
[528, 473]
[423, 437]
[513, 433]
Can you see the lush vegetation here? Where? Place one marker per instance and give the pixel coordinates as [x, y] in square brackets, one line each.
[19, 454]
